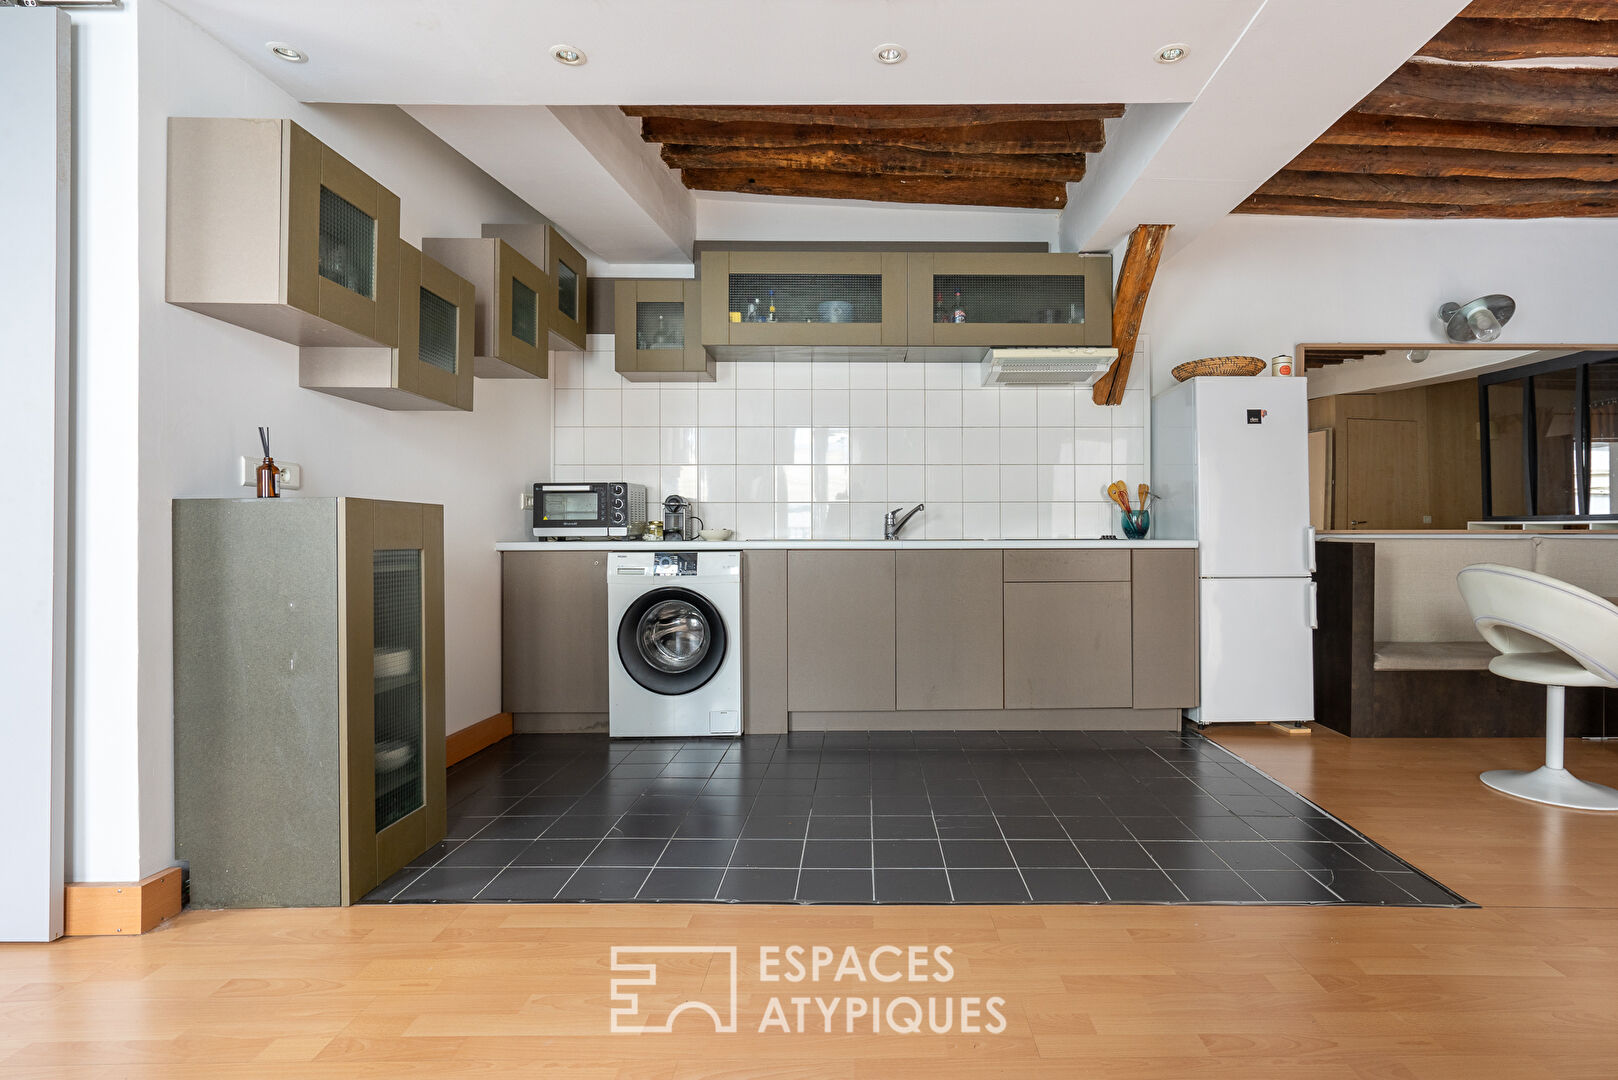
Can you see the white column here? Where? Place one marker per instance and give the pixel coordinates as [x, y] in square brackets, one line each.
[35, 140]
[1555, 706]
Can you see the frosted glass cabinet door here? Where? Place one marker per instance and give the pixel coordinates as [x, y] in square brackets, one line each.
[393, 698]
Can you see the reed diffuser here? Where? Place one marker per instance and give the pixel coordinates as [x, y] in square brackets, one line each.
[268, 488]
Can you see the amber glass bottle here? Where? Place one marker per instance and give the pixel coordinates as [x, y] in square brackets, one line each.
[267, 488]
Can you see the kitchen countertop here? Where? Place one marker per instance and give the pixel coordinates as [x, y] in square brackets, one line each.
[825, 545]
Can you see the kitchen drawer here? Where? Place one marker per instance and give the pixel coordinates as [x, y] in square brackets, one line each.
[1064, 565]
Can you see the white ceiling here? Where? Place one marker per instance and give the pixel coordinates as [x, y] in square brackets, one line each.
[1261, 79]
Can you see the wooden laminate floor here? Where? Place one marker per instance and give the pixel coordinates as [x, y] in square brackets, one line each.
[1524, 987]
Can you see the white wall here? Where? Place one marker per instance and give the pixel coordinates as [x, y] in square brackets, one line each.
[35, 74]
[823, 449]
[203, 386]
[1259, 286]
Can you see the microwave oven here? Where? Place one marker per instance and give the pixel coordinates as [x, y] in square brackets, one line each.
[582, 510]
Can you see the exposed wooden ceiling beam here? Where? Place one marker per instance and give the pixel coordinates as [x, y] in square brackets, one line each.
[1134, 286]
[1030, 194]
[1434, 161]
[879, 116]
[1580, 97]
[1365, 129]
[879, 160]
[1303, 206]
[1540, 9]
[1456, 191]
[1522, 39]
[1016, 137]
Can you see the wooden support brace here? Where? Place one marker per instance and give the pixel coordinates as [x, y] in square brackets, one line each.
[1134, 284]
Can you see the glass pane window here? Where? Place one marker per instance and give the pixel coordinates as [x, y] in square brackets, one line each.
[1507, 488]
[524, 313]
[1556, 442]
[660, 325]
[567, 291]
[1008, 298]
[1602, 387]
[397, 688]
[347, 244]
[807, 298]
[439, 336]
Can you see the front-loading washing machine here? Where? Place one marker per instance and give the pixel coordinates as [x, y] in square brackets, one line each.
[674, 635]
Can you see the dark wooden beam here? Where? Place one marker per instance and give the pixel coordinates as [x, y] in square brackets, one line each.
[879, 116]
[1016, 137]
[880, 161]
[1451, 191]
[1435, 161]
[1522, 39]
[1134, 286]
[1540, 9]
[1579, 97]
[1364, 129]
[1262, 202]
[1030, 194]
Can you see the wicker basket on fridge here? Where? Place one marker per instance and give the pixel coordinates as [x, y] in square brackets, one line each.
[1219, 365]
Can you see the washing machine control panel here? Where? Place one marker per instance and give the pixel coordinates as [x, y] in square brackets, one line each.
[674, 564]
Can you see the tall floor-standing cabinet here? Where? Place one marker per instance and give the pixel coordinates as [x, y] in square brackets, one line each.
[308, 696]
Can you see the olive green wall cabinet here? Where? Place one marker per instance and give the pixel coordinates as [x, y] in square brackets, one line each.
[509, 337]
[430, 368]
[308, 696]
[1010, 300]
[270, 229]
[657, 332]
[568, 275]
[837, 299]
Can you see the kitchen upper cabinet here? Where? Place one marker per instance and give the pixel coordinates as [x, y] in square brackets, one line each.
[949, 630]
[308, 719]
[431, 368]
[840, 631]
[509, 337]
[1068, 643]
[754, 301]
[1028, 299]
[554, 632]
[270, 229]
[567, 272]
[657, 332]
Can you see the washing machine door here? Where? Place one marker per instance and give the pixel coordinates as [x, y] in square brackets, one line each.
[671, 640]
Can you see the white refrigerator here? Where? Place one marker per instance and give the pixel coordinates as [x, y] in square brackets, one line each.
[1230, 470]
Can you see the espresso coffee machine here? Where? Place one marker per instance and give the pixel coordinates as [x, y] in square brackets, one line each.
[678, 519]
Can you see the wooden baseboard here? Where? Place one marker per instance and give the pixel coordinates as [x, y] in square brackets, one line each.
[120, 907]
[462, 744]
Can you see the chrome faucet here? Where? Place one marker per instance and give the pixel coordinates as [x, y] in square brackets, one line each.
[892, 522]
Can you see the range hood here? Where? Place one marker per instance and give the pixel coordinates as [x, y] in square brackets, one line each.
[1046, 366]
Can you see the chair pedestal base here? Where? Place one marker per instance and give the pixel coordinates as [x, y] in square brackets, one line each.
[1557, 787]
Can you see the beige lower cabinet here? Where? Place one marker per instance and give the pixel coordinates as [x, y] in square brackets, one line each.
[840, 631]
[554, 632]
[1068, 645]
[949, 630]
[308, 696]
[1164, 625]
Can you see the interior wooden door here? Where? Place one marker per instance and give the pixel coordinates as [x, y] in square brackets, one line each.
[392, 687]
[1383, 475]
[1320, 479]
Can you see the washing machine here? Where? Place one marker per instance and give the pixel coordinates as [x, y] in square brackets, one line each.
[674, 635]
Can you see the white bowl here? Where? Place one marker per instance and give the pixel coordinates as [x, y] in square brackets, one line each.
[716, 534]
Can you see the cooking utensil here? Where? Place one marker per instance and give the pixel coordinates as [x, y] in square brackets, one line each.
[1142, 492]
[1118, 492]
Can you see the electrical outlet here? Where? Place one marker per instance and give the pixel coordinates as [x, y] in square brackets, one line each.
[290, 478]
[527, 501]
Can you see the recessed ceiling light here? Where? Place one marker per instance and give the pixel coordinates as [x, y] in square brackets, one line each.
[1172, 54]
[890, 53]
[282, 51]
[567, 54]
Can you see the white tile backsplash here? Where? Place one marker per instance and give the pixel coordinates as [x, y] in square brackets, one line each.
[824, 449]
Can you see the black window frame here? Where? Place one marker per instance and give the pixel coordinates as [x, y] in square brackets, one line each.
[1580, 363]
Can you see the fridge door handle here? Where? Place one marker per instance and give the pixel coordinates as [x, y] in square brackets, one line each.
[1314, 606]
[1309, 539]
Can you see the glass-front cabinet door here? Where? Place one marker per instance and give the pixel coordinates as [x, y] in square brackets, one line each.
[803, 298]
[393, 693]
[657, 331]
[1010, 299]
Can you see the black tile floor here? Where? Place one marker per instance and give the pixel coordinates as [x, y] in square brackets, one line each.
[919, 817]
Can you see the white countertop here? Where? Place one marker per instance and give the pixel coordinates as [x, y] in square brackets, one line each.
[825, 545]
